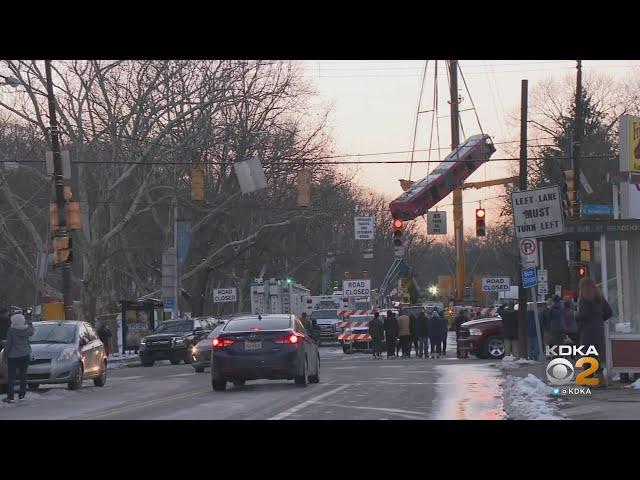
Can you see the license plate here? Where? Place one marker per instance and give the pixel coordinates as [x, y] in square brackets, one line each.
[252, 345]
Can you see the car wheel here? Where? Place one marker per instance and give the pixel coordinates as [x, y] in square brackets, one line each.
[76, 383]
[347, 349]
[316, 378]
[219, 385]
[148, 364]
[102, 379]
[33, 386]
[174, 361]
[239, 383]
[301, 380]
[494, 347]
[199, 369]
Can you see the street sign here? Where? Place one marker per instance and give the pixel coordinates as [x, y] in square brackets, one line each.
[529, 277]
[363, 228]
[537, 213]
[437, 223]
[543, 288]
[529, 252]
[542, 276]
[496, 284]
[224, 295]
[356, 288]
[602, 210]
[169, 304]
[250, 175]
[367, 253]
[66, 164]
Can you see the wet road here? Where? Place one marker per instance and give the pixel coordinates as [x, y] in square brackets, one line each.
[351, 387]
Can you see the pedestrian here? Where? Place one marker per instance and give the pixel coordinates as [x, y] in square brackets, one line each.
[376, 331]
[404, 333]
[436, 327]
[17, 353]
[305, 322]
[4, 323]
[570, 325]
[444, 320]
[557, 321]
[509, 328]
[422, 350]
[414, 332]
[593, 311]
[104, 334]
[391, 333]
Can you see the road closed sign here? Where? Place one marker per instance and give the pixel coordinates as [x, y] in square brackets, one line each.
[356, 288]
[224, 295]
[496, 284]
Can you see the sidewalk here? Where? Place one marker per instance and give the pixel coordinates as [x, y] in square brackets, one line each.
[123, 360]
[523, 387]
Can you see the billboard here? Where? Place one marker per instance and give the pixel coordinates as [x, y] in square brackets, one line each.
[629, 162]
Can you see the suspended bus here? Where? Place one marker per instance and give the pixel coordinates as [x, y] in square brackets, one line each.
[450, 174]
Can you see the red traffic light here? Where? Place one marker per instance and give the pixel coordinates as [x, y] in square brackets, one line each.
[398, 224]
[480, 213]
[582, 271]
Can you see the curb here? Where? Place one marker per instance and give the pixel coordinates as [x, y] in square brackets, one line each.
[130, 363]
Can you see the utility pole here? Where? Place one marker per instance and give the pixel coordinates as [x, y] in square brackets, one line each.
[522, 185]
[62, 230]
[577, 147]
[461, 274]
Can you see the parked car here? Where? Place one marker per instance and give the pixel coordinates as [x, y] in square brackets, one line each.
[483, 337]
[201, 351]
[173, 340]
[326, 321]
[264, 347]
[63, 352]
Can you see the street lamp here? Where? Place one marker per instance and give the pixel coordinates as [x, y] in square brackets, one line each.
[433, 290]
[11, 81]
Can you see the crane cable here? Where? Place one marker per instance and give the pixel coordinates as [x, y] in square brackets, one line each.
[415, 127]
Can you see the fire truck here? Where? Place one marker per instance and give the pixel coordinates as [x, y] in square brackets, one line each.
[278, 296]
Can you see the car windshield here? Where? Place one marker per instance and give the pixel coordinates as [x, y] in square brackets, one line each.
[175, 327]
[54, 333]
[324, 314]
[246, 324]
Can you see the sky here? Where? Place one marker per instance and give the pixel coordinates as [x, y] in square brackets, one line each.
[373, 106]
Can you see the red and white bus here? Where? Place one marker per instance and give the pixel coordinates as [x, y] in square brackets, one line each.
[450, 174]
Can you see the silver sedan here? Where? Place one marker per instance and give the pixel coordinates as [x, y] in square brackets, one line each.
[63, 352]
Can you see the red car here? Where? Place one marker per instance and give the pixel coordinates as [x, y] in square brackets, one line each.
[483, 337]
[450, 174]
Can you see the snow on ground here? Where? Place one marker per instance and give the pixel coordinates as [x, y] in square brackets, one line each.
[636, 384]
[529, 398]
[510, 363]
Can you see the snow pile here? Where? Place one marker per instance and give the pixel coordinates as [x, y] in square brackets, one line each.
[529, 398]
[636, 384]
[624, 327]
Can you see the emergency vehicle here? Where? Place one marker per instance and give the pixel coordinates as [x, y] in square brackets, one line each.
[278, 296]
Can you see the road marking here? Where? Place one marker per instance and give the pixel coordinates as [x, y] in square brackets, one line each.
[122, 379]
[396, 411]
[136, 406]
[190, 374]
[344, 368]
[315, 399]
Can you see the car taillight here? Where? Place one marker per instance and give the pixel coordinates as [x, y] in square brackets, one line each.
[222, 342]
[291, 339]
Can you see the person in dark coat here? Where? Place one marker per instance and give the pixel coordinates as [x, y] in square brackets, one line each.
[376, 331]
[443, 340]
[391, 333]
[17, 353]
[5, 323]
[404, 333]
[437, 329]
[421, 331]
[570, 324]
[509, 328]
[556, 326]
[104, 334]
[593, 311]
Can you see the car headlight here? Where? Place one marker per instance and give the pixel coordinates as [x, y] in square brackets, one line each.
[475, 331]
[143, 341]
[194, 350]
[67, 354]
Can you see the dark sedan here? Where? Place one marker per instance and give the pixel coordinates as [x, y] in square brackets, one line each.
[264, 347]
[201, 352]
[173, 340]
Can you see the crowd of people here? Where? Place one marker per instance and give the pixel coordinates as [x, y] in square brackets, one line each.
[404, 331]
[561, 322]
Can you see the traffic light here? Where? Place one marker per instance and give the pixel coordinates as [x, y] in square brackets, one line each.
[585, 251]
[583, 271]
[569, 203]
[398, 243]
[347, 275]
[197, 183]
[62, 250]
[365, 274]
[481, 230]
[289, 280]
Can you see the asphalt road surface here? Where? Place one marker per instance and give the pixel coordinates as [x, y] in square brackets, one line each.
[351, 387]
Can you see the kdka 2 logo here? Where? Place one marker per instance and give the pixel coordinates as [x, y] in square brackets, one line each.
[560, 371]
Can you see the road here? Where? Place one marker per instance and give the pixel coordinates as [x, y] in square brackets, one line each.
[351, 387]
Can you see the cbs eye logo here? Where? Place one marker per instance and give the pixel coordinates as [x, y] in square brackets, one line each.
[560, 371]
